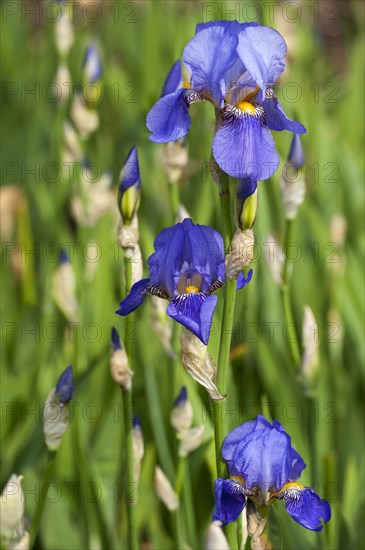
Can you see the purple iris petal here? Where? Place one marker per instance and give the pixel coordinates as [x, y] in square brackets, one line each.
[134, 298]
[207, 57]
[242, 280]
[244, 148]
[173, 80]
[169, 119]
[262, 51]
[195, 312]
[264, 458]
[307, 508]
[129, 174]
[167, 258]
[65, 386]
[230, 499]
[298, 463]
[277, 120]
[245, 188]
[237, 435]
[207, 250]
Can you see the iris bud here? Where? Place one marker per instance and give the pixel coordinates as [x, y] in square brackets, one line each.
[12, 508]
[129, 187]
[138, 447]
[292, 183]
[119, 365]
[56, 411]
[164, 490]
[215, 539]
[181, 417]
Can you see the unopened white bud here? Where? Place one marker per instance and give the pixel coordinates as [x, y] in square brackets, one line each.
[127, 238]
[12, 508]
[198, 363]
[164, 490]
[12, 201]
[63, 82]
[292, 187]
[56, 417]
[119, 368]
[20, 543]
[64, 291]
[86, 119]
[72, 152]
[241, 253]
[181, 416]
[310, 345]
[64, 34]
[215, 539]
[138, 449]
[191, 440]
[338, 229]
[275, 258]
[175, 158]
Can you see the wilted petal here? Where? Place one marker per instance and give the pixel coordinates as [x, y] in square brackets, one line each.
[164, 490]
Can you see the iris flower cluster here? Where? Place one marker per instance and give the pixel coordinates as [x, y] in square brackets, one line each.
[234, 66]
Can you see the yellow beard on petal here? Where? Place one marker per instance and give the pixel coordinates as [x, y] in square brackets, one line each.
[246, 107]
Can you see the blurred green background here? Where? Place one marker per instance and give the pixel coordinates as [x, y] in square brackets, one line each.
[138, 42]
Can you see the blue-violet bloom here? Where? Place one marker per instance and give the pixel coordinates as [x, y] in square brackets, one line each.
[264, 466]
[186, 268]
[234, 66]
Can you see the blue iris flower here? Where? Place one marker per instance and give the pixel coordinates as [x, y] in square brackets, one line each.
[186, 268]
[234, 66]
[264, 466]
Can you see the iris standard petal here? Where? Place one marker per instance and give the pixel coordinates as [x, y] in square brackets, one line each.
[167, 258]
[173, 80]
[306, 507]
[239, 434]
[245, 188]
[296, 153]
[298, 463]
[195, 312]
[134, 298]
[243, 147]
[276, 119]
[264, 459]
[230, 499]
[262, 51]
[242, 280]
[169, 119]
[207, 250]
[207, 57]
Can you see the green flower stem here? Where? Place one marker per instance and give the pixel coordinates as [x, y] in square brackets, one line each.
[180, 475]
[287, 304]
[42, 497]
[126, 396]
[224, 349]
[174, 199]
